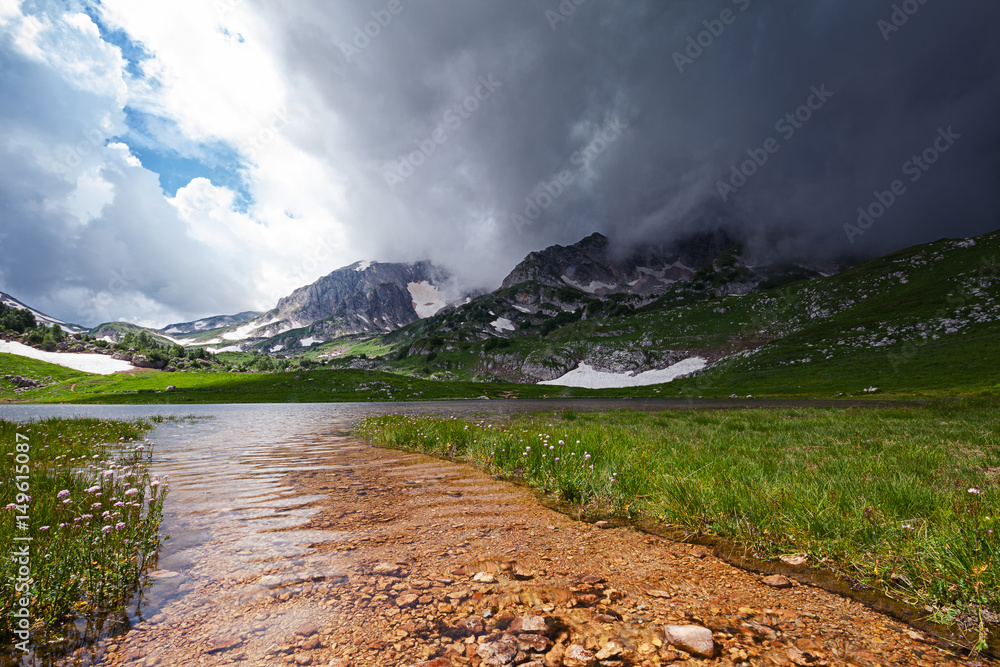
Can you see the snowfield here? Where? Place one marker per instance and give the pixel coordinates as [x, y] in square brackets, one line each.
[88, 363]
[427, 300]
[502, 324]
[588, 378]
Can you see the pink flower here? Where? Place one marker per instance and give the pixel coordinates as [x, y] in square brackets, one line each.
[107, 529]
[62, 494]
[132, 491]
[42, 528]
[119, 525]
[974, 490]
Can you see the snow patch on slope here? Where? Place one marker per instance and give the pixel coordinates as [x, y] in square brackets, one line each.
[502, 324]
[243, 332]
[88, 363]
[361, 266]
[306, 342]
[427, 299]
[590, 289]
[587, 377]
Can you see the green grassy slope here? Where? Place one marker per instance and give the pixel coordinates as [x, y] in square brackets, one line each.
[923, 319]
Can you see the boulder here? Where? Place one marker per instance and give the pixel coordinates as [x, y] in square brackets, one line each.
[694, 639]
[141, 361]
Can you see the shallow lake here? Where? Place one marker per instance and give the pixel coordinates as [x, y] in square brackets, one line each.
[229, 513]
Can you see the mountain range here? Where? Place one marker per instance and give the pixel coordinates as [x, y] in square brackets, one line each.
[591, 306]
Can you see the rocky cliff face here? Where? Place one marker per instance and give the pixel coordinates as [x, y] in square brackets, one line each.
[594, 266]
[362, 297]
[374, 290]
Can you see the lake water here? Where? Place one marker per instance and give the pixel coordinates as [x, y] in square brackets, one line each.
[229, 514]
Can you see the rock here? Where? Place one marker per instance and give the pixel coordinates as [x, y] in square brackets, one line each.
[473, 625]
[387, 569]
[171, 387]
[141, 361]
[26, 383]
[523, 573]
[532, 642]
[610, 650]
[777, 581]
[338, 662]
[307, 629]
[794, 560]
[602, 524]
[577, 656]
[484, 578]
[122, 356]
[535, 625]
[498, 653]
[303, 659]
[554, 657]
[224, 643]
[406, 600]
[445, 608]
[694, 639]
[436, 662]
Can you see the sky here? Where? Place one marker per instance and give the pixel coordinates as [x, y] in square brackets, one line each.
[165, 161]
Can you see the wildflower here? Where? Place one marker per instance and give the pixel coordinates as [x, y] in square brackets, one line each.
[119, 525]
[561, 442]
[62, 494]
[586, 456]
[10, 506]
[119, 504]
[93, 489]
[974, 490]
[95, 506]
[107, 529]
[87, 516]
[591, 466]
[42, 528]
[132, 491]
[67, 501]
[62, 525]
[557, 458]
[108, 473]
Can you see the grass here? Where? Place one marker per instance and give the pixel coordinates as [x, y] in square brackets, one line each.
[902, 499]
[315, 386]
[12, 364]
[81, 491]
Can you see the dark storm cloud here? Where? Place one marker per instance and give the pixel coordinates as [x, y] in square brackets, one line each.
[879, 94]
